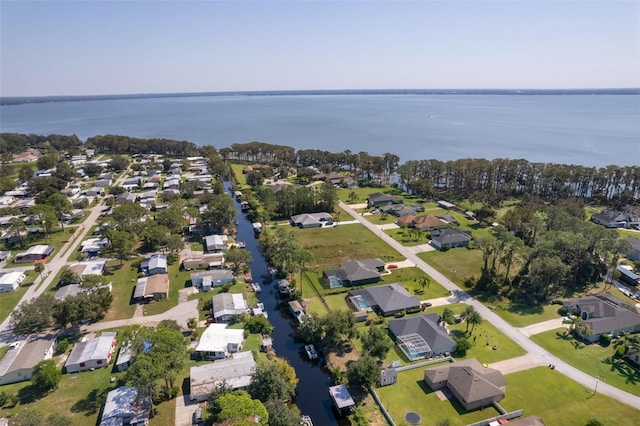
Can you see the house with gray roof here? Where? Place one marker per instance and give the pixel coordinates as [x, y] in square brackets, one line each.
[387, 299]
[125, 407]
[154, 264]
[616, 219]
[602, 315]
[216, 243]
[473, 385]
[311, 220]
[379, 199]
[634, 253]
[422, 336]
[449, 238]
[398, 210]
[226, 306]
[206, 280]
[235, 372]
[354, 273]
[18, 363]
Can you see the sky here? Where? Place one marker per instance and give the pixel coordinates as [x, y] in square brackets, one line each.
[118, 47]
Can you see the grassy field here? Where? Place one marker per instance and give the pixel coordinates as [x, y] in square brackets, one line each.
[58, 239]
[593, 359]
[79, 397]
[561, 401]
[522, 316]
[123, 282]
[240, 177]
[455, 264]
[332, 246]
[9, 300]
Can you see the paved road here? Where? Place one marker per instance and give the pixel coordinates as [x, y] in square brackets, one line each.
[540, 355]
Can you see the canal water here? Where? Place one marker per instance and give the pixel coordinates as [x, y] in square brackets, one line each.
[312, 392]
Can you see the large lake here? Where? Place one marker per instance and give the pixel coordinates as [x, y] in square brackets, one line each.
[591, 130]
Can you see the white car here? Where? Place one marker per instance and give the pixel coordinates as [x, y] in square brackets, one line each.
[14, 345]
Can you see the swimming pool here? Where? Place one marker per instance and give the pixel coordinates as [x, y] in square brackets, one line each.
[334, 282]
[361, 302]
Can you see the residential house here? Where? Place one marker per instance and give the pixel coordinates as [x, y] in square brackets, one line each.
[428, 223]
[422, 336]
[154, 264]
[127, 197]
[94, 191]
[627, 275]
[398, 210]
[216, 243]
[227, 305]
[84, 269]
[11, 281]
[473, 385]
[206, 280]
[68, 290]
[4, 255]
[603, 315]
[311, 220]
[124, 406]
[449, 238]
[378, 199]
[235, 372]
[387, 299]
[33, 253]
[18, 363]
[212, 260]
[154, 287]
[218, 341]
[354, 273]
[634, 253]
[102, 183]
[93, 246]
[446, 205]
[91, 353]
[616, 219]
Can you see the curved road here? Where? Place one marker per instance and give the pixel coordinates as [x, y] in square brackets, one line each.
[539, 354]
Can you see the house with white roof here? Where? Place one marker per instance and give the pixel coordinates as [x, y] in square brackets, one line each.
[154, 264]
[227, 305]
[11, 281]
[218, 341]
[18, 363]
[125, 407]
[235, 372]
[91, 353]
[33, 253]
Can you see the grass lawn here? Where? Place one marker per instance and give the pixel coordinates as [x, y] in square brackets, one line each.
[561, 401]
[455, 264]
[79, 397]
[486, 338]
[58, 239]
[123, 282]
[592, 359]
[9, 300]
[333, 246]
[408, 237]
[522, 316]
[241, 178]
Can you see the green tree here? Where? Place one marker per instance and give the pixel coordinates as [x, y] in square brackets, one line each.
[240, 409]
[171, 218]
[220, 214]
[282, 414]
[122, 244]
[462, 345]
[268, 382]
[174, 243]
[238, 259]
[67, 276]
[311, 330]
[258, 324]
[46, 376]
[18, 228]
[33, 316]
[376, 342]
[337, 327]
[25, 172]
[363, 372]
[46, 216]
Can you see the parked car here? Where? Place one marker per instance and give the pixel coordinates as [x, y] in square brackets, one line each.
[197, 416]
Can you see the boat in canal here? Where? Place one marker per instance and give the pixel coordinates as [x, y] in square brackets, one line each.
[306, 421]
[311, 352]
[256, 287]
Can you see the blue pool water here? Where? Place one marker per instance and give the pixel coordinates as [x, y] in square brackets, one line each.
[334, 282]
[362, 304]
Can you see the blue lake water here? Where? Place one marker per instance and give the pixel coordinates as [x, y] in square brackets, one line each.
[592, 130]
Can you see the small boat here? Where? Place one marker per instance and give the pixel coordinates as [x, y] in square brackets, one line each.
[241, 244]
[256, 287]
[311, 351]
[306, 421]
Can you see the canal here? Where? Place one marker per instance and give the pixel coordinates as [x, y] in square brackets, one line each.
[312, 392]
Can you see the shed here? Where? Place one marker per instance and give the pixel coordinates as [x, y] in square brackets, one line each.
[388, 376]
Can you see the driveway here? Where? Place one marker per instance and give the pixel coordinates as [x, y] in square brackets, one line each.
[541, 327]
[541, 356]
[185, 409]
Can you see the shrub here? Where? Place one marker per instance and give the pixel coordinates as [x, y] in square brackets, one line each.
[63, 345]
[4, 398]
[399, 314]
[605, 340]
[413, 310]
[563, 311]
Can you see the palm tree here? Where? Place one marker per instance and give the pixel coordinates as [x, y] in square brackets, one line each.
[474, 319]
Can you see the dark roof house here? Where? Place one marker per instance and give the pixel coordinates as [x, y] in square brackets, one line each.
[616, 219]
[388, 299]
[603, 315]
[354, 273]
[449, 238]
[473, 385]
[379, 199]
[422, 336]
[311, 220]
